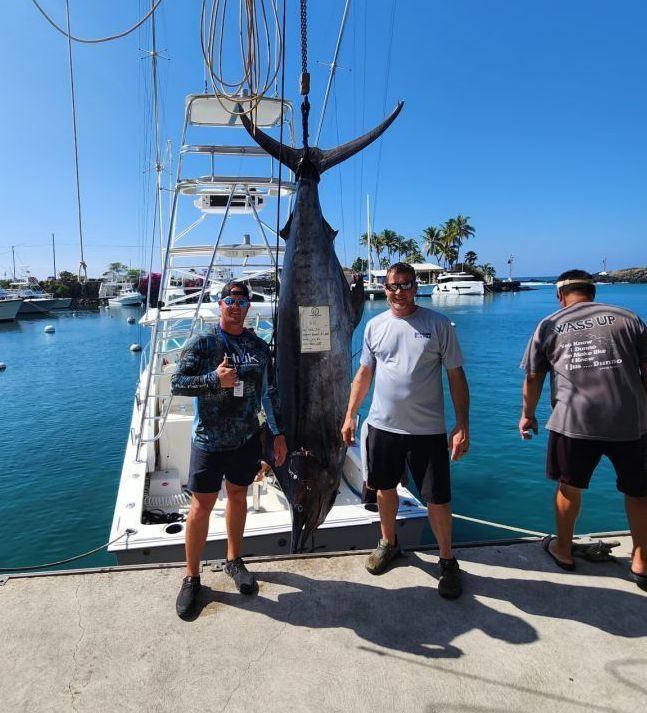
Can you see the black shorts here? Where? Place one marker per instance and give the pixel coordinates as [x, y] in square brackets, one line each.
[238, 466]
[573, 460]
[427, 457]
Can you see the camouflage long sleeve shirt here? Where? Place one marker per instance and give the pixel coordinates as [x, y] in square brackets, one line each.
[224, 421]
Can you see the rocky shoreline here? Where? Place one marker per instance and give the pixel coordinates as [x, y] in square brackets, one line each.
[636, 275]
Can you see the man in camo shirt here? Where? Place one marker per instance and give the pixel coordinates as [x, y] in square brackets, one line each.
[230, 372]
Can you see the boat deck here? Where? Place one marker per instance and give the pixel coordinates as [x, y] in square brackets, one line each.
[324, 635]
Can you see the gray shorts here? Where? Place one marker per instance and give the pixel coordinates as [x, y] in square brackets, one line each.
[238, 466]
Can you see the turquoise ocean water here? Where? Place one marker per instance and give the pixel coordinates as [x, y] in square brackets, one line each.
[66, 399]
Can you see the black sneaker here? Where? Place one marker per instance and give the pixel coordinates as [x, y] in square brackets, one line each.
[244, 580]
[449, 584]
[185, 604]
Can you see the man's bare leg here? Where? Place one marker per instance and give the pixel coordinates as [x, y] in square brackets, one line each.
[440, 518]
[568, 503]
[636, 509]
[388, 503]
[197, 527]
[235, 517]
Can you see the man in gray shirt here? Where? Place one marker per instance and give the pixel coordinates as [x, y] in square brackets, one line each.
[596, 355]
[406, 349]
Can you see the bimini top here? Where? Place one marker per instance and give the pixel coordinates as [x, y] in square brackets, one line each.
[214, 110]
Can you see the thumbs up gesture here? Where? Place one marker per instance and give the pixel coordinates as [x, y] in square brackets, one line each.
[226, 374]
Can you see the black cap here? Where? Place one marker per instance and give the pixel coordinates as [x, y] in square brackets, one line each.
[235, 284]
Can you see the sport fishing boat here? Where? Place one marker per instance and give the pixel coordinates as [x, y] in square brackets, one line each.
[34, 299]
[152, 501]
[126, 297]
[458, 283]
[9, 306]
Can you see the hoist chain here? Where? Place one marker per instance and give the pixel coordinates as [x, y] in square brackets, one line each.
[304, 38]
[305, 76]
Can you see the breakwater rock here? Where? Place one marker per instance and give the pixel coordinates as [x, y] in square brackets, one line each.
[636, 275]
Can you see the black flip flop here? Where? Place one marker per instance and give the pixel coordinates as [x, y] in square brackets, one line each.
[639, 579]
[567, 566]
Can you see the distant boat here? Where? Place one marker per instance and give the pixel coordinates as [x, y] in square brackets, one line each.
[9, 306]
[34, 299]
[120, 292]
[458, 283]
[126, 296]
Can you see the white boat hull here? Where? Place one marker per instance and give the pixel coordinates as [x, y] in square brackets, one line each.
[42, 305]
[128, 300]
[155, 480]
[459, 288]
[9, 309]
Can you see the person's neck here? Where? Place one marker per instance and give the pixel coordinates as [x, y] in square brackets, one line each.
[574, 299]
[234, 331]
[408, 313]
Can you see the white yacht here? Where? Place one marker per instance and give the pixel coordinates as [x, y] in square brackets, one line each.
[458, 283]
[127, 296]
[152, 501]
[119, 292]
[34, 299]
[9, 306]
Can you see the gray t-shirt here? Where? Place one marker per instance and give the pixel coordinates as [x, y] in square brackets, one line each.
[407, 354]
[593, 352]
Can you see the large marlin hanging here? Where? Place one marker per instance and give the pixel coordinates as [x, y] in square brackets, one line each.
[317, 314]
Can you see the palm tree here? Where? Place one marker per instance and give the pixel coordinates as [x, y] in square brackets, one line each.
[487, 271]
[449, 242]
[390, 241]
[464, 231]
[359, 265]
[470, 258]
[411, 246]
[377, 244]
[432, 243]
[414, 256]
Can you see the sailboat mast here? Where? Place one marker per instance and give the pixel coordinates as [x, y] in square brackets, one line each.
[368, 238]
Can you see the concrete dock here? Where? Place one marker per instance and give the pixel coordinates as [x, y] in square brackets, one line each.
[324, 635]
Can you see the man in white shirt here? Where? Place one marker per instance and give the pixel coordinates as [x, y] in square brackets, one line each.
[406, 349]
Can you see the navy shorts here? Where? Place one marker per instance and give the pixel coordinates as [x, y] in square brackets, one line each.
[427, 457]
[238, 466]
[573, 460]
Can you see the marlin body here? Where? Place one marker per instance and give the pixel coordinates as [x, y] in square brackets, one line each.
[317, 314]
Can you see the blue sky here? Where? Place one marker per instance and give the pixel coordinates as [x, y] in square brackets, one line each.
[529, 116]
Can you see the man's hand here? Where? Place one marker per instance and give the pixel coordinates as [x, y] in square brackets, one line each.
[226, 375]
[280, 449]
[526, 425]
[458, 442]
[348, 430]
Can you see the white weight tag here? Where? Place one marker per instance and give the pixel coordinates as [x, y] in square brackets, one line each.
[238, 388]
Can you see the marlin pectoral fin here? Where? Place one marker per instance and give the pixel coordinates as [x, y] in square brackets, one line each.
[331, 231]
[285, 230]
[332, 157]
[357, 300]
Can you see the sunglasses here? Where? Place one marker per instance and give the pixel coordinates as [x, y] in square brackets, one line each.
[395, 286]
[240, 301]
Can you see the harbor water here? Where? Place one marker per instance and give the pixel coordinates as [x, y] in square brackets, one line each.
[66, 400]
